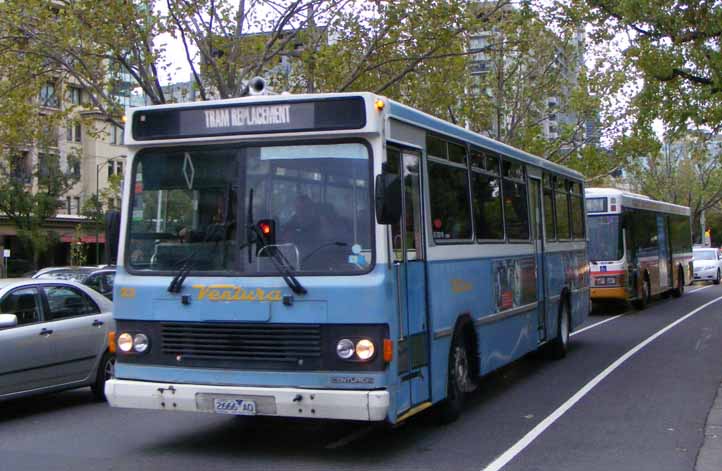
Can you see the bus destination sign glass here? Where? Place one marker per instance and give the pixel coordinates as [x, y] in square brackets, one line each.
[251, 118]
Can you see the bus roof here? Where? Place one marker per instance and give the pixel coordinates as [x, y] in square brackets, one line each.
[396, 110]
[637, 201]
[419, 118]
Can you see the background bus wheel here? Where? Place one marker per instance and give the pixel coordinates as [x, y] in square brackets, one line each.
[559, 346]
[716, 280]
[643, 299]
[459, 381]
[106, 370]
[679, 290]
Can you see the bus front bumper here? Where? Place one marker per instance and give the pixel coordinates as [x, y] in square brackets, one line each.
[616, 293]
[280, 402]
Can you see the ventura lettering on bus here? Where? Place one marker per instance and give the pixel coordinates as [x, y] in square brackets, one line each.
[248, 116]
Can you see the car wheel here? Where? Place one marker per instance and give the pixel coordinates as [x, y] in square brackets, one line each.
[459, 380]
[106, 371]
[559, 346]
[716, 280]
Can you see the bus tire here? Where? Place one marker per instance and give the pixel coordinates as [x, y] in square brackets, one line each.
[716, 280]
[679, 290]
[643, 297]
[106, 370]
[459, 379]
[559, 346]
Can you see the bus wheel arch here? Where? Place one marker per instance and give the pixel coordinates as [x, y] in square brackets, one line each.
[463, 360]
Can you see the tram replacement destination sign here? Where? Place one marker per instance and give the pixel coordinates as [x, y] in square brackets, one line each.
[249, 118]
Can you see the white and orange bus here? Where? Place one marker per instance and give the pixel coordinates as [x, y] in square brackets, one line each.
[638, 247]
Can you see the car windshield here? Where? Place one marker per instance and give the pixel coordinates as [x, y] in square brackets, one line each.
[605, 238]
[303, 209]
[705, 255]
[71, 275]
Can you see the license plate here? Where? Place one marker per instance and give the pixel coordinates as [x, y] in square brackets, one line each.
[234, 406]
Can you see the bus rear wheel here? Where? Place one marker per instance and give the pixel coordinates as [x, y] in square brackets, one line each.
[679, 290]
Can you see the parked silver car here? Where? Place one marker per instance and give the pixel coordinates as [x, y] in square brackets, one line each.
[53, 336]
[99, 278]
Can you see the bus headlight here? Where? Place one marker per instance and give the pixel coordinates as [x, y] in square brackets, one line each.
[140, 343]
[345, 349]
[365, 349]
[125, 342]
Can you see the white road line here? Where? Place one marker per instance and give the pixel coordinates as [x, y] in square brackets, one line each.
[527, 439]
[596, 325]
[620, 315]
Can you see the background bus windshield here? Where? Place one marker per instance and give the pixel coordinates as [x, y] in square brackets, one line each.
[250, 209]
[605, 238]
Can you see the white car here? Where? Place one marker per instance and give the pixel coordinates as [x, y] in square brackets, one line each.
[707, 265]
[54, 335]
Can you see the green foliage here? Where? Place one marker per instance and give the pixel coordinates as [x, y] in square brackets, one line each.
[78, 250]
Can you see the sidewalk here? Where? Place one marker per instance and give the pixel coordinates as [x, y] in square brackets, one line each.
[709, 457]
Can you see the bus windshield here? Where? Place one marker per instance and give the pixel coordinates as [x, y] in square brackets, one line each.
[302, 209]
[605, 238]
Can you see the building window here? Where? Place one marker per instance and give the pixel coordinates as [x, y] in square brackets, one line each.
[119, 168]
[116, 135]
[77, 204]
[110, 170]
[75, 95]
[73, 132]
[48, 96]
[22, 169]
[67, 205]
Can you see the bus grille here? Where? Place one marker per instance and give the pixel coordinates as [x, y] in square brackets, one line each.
[287, 343]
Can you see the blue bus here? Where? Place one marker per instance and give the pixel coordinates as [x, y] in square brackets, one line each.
[334, 256]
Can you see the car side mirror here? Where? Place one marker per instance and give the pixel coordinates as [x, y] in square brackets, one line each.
[8, 320]
[388, 198]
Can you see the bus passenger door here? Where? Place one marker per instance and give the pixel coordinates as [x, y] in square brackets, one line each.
[410, 269]
[665, 259]
[537, 227]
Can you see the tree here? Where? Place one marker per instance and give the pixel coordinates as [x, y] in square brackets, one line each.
[675, 49]
[33, 176]
[686, 172]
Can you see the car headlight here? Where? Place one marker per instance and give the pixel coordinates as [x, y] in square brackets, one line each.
[140, 343]
[345, 349]
[365, 349]
[125, 342]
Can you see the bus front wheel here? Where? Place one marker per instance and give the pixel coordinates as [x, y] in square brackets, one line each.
[459, 378]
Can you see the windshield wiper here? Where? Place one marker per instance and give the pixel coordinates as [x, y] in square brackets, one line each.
[185, 265]
[282, 264]
[217, 232]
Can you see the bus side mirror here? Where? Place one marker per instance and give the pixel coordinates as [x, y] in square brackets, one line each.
[112, 237]
[388, 198]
